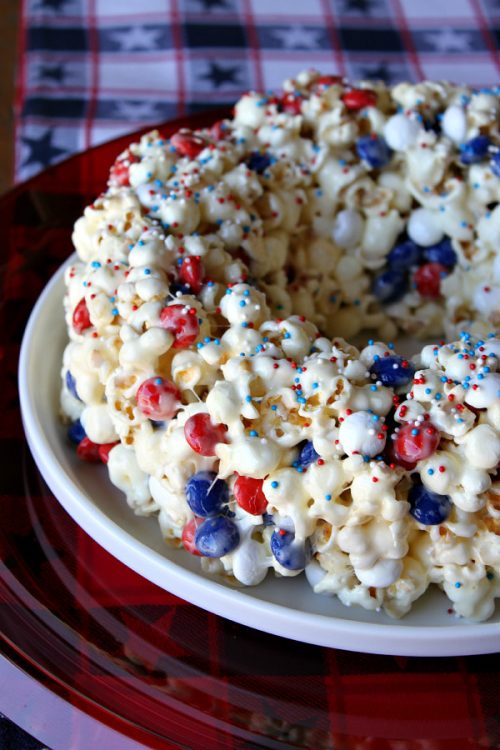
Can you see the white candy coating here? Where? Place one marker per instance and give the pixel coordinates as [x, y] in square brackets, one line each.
[290, 228]
[424, 228]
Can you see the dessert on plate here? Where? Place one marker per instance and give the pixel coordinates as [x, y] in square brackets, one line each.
[230, 319]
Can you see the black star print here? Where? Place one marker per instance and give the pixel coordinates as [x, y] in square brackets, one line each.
[51, 4]
[55, 73]
[219, 75]
[363, 6]
[209, 4]
[41, 150]
[378, 72]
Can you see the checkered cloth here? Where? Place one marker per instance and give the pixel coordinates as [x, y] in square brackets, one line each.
[93, 69]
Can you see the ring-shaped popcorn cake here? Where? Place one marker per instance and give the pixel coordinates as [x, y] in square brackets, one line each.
[218, 279]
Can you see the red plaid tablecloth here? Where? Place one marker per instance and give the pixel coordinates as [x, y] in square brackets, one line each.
[93, 69]
[89, 70]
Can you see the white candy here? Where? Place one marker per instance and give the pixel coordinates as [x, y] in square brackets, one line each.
[401, 132]
[423, 227]
[359, 433]
[348, 228]
[249, 562]
[454, 123]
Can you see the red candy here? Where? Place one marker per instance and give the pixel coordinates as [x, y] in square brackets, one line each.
[202, 435]
[324, 81]
[188, 534]
[291, 103]
[359, 98]
[88, 451]
[119, 173]
[428, 279]
[191, 272]
[158, 398]
[187, 143]
[410, 448]
[249, 495]
[81, 317]
[104, 450]
[181, 323]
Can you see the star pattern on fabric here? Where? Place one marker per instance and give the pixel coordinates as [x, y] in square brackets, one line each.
[42, 150]
[219, 75]
[379, 72]
[209, 4]
[56, 73]
[361, 6]
[56, 5]
[297, 37]
[448, 40]
[134, 110]
[136, 38]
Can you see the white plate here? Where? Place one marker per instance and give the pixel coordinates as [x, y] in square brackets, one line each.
[283, 606]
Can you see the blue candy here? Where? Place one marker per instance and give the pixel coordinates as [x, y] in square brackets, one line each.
[76, 433]
[443, 253]
[71, 385]
[475, 150]
[428, 507]
[259, 162]
[217, 537]
[404, 255]
[289, 553]
[206, 495]
[373, 150]
[307, 454]
[389, 286]
[495, 163]
[391, 371]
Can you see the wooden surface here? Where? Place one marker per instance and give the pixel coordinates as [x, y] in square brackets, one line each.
[9, 15]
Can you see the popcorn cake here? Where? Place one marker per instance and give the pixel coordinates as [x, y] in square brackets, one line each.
[222, 281]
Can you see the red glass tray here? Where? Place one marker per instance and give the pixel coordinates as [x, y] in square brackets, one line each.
[94, 656]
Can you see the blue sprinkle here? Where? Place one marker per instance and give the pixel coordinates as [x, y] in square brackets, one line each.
[430, 472]
[274, 484]
[328, 497]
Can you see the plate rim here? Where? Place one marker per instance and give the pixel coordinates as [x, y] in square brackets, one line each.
[314, 628]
